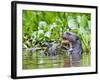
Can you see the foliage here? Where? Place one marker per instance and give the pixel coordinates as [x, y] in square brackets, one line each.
[43, 26]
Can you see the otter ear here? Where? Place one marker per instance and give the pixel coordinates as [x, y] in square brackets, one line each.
[73, 36]
[69, 33]
[77, 38]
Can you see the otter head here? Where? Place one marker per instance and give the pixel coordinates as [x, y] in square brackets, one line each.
[69, 37]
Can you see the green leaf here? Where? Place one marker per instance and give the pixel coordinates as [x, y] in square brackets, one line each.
[84, 21]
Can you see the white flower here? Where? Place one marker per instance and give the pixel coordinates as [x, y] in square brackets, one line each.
[81, 29]
[42, 24]
[34, 34]
[78, 19]
[53, 26]
[47, 34]
[72, 23]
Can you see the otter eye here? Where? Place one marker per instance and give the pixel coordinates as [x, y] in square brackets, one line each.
[68, 33]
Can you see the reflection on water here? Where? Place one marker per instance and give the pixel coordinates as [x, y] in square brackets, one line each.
[37, 59]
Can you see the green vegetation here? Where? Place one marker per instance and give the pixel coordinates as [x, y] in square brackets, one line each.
[39, 27]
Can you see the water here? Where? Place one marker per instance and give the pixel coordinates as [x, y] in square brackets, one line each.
[37, 60]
